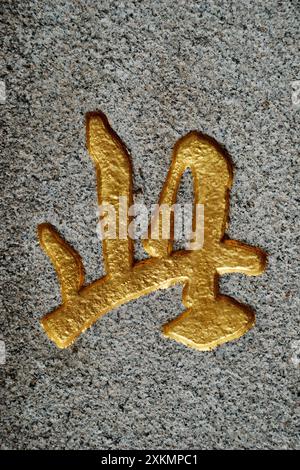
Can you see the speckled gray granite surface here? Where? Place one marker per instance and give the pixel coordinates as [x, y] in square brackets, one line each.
[157, 69]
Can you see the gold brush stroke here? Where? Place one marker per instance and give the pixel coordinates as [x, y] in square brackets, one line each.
[210, 319]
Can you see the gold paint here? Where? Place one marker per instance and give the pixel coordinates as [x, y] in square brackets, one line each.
[210, 319]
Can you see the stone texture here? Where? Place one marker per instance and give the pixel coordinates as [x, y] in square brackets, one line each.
[158, 69]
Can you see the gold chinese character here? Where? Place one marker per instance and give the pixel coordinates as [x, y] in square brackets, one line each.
[210, 319]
